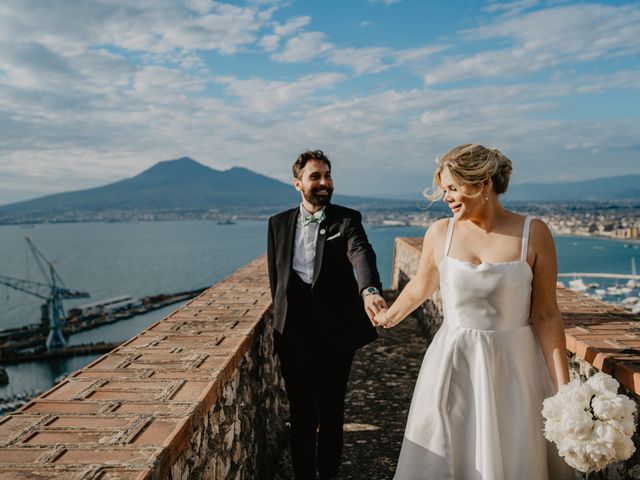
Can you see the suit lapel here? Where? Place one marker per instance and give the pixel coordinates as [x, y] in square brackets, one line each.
[287, 252]
[323, 228]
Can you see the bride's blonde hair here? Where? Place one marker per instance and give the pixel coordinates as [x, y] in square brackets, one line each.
[472, 164]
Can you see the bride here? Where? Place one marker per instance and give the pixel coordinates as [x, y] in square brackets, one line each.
[475, 413]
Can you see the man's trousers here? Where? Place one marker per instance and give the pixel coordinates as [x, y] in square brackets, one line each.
[315, 375]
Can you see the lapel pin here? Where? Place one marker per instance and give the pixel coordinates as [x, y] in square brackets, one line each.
[323, 231]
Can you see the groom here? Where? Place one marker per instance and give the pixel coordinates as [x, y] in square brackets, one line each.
[320, 311]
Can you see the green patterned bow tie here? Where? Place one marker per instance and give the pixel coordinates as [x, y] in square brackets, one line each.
[317, 217]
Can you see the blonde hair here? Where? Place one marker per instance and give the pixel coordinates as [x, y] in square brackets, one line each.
[472, 164]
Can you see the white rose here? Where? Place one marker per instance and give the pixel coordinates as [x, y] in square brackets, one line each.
[629, 407]
[607, 408]
[624, 449]
[603, 383]
[571, 446]
[577, 422]
[600, 454]
[628, 424]
[579, 395]
[606, 432]
[553, 431]
[581, 463]
[552, 409]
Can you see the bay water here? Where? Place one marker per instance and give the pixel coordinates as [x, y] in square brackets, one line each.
[148, 258]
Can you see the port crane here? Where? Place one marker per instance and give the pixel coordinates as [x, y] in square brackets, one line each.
[53, 292]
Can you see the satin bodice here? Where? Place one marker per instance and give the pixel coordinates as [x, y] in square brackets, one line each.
[488, 296]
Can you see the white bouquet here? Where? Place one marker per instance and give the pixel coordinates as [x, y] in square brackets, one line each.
[590, 423]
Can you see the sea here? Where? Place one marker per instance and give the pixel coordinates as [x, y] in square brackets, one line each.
[147, 258]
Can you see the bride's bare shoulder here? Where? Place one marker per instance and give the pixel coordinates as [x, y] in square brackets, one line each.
[437, 228]
[436, 233]
[539, 232]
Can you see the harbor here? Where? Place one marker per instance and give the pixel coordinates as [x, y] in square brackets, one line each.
[625, 295]
[28, 343]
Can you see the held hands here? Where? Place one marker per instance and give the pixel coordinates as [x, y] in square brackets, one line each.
[382, 320]
[373, 304]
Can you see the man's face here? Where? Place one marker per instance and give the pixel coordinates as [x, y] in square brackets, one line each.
[315, 183]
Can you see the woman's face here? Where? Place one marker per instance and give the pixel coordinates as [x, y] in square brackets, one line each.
[459, 197]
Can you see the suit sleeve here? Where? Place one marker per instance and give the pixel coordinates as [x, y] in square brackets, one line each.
[361, 255]
[271, 260]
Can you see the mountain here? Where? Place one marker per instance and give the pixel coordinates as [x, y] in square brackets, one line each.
[184, 186]
[173, 185]
[620, 188]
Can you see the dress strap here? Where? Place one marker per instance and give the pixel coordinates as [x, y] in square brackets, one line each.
[525, 239]
[449, 236]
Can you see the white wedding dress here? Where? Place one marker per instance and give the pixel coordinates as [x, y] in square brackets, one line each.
[475, 413]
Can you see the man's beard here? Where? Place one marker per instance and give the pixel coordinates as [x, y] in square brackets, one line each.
[316, 200]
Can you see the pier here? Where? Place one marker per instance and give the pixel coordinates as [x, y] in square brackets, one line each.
[621, 276]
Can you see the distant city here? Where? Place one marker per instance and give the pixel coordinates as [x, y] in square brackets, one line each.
[620, 220]
[184, 189]
[612, 220]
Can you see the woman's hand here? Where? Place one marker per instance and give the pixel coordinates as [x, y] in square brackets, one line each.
[382, 319]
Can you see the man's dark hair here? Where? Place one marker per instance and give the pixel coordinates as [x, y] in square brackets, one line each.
[304, 157]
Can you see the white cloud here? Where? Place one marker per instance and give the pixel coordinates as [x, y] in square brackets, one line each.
[270, 43]
[266, 96]
[158, 81]
[545, 38]
[307, 46]
[200, 6]
[303, 47]
[291, 26]
[511, 8]
[160, 27]
[361, 60]
[413, 54]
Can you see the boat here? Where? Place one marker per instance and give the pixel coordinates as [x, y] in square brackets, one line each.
[614, 290]
[578, 285]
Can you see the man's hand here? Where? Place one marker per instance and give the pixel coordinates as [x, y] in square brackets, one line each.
[374, 304]
[382, 320]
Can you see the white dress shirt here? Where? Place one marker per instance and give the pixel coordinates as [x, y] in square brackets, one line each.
[304, 249]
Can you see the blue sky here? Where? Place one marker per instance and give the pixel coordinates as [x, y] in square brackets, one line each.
[96, 91]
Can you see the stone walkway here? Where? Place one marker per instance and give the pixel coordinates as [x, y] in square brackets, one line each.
[380, 389]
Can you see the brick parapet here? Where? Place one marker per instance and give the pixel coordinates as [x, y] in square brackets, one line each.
[196, 395]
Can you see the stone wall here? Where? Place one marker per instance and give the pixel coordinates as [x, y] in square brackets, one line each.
[599, 337]
[198, 395]
[241, 437]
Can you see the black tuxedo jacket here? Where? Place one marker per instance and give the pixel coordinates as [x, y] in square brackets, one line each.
[341, 248]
